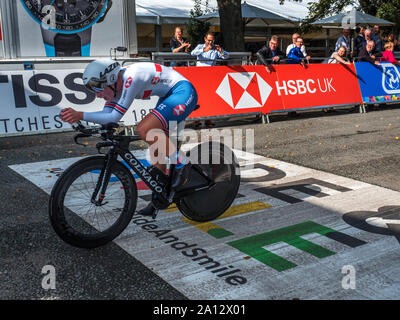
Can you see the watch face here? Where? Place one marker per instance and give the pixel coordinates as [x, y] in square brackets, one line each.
[66, 16]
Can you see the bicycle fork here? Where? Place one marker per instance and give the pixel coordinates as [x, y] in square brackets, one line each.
[104, 178]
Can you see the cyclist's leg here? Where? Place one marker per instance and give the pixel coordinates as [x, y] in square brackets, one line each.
[151, 130]
[155, 127]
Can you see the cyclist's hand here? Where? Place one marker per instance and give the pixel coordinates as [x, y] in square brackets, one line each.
[70, 115]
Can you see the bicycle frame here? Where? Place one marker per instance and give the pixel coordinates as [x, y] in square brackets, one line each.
[144, 175]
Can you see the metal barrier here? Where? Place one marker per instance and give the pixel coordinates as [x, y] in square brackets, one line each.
[186, 59]
[62, 63]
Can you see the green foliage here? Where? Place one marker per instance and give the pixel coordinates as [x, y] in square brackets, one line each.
[384, 9]
[197, 29]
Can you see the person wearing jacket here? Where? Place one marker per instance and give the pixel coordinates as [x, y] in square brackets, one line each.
[270, 54]
[295, 55]
[369, 54]
[387, 55]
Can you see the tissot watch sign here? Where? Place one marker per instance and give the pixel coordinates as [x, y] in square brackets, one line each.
[70, 27]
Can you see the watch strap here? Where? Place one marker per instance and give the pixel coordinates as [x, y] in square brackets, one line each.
[64, 45]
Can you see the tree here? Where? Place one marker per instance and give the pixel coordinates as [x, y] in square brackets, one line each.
[231, 23]
[384, 9]
[197, 29]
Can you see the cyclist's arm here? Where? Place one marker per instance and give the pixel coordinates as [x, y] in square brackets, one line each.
[107, 115]
[114, 110]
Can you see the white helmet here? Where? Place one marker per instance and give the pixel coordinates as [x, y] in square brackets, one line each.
[101, 73]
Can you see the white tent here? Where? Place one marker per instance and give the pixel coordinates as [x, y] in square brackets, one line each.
[170, 12]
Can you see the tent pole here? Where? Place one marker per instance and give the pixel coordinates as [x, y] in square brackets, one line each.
[157, 32]
[327, 43]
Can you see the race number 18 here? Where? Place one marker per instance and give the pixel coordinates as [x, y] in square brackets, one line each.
[140, 114]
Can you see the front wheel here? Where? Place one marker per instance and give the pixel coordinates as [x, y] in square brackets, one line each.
[76, 218]
[219, 163]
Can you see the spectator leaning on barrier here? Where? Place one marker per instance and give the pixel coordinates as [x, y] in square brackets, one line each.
[387, 55]
[208, 53]
[344, 41]
[293, 45]
[375, 35]
[296, 55]
[369, 53]
[339, 56]
[179, 44]
[270, 54]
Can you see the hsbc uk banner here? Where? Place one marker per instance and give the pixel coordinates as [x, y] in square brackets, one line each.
[316, 86]
[379, 83]
[234, 90]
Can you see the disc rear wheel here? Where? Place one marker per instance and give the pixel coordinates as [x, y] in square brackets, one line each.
[220, 164]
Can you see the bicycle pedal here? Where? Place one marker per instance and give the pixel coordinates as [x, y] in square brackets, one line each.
[155, 213]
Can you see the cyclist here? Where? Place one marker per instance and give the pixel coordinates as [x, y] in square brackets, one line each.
[119, 86]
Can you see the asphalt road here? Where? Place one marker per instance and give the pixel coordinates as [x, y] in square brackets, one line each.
[364, 147]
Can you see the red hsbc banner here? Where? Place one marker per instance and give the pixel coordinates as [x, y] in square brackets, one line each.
[317, 85]
[230, 90]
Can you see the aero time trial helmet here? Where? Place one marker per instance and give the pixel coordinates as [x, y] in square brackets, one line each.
[101, 73]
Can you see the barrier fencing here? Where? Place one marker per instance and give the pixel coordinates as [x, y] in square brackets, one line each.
[33, 92]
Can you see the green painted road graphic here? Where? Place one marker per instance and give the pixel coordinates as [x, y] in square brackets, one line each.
[289, 233]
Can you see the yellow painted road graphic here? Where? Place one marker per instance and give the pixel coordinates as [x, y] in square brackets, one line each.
[291, 233]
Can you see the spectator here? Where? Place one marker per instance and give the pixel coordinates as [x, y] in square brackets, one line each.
[208, 53]
[364, 40]
[387, 55]
[359, 41]
[344, 41]
[271, 54]
[296, 55]
[179, 44]
[377, 38]
[396, 43]
[369, 53]
[339, 56]
[293, 45]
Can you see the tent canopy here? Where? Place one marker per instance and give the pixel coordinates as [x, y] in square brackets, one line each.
[351, 19]
[169, 12]
[253, 14]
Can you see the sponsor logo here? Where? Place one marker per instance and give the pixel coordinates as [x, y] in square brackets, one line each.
[110, 68]
[128, 82]
[142, 171]
[178, 110]
[244, 90]
[155, 80]
[390, 78]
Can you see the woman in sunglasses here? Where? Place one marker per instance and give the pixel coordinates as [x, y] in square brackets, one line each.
[120, 86]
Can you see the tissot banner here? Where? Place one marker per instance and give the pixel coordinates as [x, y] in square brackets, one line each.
[67, 28]
[31, 100]
[379, 83]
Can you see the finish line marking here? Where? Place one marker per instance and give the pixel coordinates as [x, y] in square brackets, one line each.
[288, 235]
